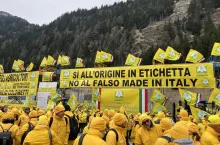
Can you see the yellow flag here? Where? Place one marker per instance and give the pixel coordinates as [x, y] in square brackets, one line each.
[79, 62]
[50, 60]
[59, 61]
[44, 62]
[47, 76]
[72, 102]
[215, 96]
[55, 97]
[51, 104]
[98, 57]
[157, 108]
[1, 69]
[216, 49]
[159, 55]
[132, 60]
[20, 64]
[65, 60]
[194, 56]
[95, 94]
[15, 66]
[158, 97]
[197, 113]
[106, 57]
[171, 54]
[192, 98]
[30, 67]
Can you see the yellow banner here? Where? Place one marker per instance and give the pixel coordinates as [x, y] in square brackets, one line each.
[159, 76]
[19, 84]
[115, 98]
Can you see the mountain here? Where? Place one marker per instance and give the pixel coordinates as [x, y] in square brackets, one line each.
[136, 26]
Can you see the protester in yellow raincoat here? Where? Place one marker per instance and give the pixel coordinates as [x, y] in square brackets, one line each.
[33, 122]
[135, 128]
[86, 129]
[16, 114]
[95, 134]
[40, 134]
[7, 125]
[166, 125]
[59, 124]
[120, 123]
[184, 118]
[24, 118]
[111, 113]
[193, 132]
[148, 133]
[180, 135]
[212, 133]
[107, 122]
[49, 113]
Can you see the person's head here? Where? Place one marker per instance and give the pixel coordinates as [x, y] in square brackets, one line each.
[179, 132]
[146, 121]
[136, 119]
[111, 113]
[16, 113]
[214, 122]
[165, 124]
[40, 112]
[43, 120]
[184, 115]
[99, 124]
[8, 118]
[33, 114]
[59, 110]
[178, 118]
[27, 110]
[106, 120]
[120, 120]
[161, 115]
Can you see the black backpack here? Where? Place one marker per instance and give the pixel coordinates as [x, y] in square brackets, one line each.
[167, 138]
[5, 137]
[30, 128]
[74, 129]
[116, 133]
[81, 139]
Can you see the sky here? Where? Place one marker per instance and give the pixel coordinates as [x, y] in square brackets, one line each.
[45, 11]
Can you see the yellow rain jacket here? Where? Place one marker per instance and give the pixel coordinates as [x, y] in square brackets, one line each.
[93, 137]
[49, 114]
[26, 126]
[201, 128]
[134, 131]
[210, 137]
[23, 119]
[61, 128]
[14, 132]
[162, 141]
[40, 136]
[145, 136]
[111, 137]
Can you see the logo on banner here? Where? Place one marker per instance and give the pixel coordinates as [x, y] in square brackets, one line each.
[158, 97]
[66, 73]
